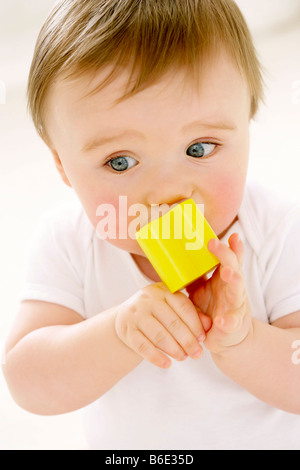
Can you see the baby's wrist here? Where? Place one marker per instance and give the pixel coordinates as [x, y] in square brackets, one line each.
[245, 342]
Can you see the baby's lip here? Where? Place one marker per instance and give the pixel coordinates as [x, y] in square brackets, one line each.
[154, 212]
[159, 210]
[166, 207]
[171, 204]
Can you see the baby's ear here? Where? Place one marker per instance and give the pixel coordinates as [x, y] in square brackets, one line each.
[60, 168]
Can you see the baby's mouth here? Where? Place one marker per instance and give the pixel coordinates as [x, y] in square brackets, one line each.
[155, 211]
[158, 210]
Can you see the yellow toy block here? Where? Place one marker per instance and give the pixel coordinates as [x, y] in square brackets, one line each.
[176, 245]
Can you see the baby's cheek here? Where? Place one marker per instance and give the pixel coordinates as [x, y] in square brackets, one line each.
[228, 195]
[105, 212]
[227, 192]
[111, 217]
[113, 224]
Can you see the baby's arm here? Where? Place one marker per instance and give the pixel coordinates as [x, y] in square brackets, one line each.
[56, 362]
[256, 355]
[264, 365]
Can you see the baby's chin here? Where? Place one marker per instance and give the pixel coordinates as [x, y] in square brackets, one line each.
[221, 233]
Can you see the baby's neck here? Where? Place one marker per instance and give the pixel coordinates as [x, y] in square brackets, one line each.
[146, 267]
[221, 235]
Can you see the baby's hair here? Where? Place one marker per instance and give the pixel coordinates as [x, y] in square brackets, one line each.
[146, 37]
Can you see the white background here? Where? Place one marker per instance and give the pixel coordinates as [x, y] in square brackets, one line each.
[29, 184]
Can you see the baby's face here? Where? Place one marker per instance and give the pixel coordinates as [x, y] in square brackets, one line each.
[168, 143]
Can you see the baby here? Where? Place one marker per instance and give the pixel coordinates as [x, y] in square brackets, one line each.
[149, 102]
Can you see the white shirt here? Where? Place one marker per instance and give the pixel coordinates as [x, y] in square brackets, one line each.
[192, 405]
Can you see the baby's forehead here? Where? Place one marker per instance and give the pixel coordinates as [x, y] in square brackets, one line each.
[149, 37]
[220, 99]
[218, 74]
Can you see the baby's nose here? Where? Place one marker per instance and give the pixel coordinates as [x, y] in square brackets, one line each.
[169, 186]
[169, 193]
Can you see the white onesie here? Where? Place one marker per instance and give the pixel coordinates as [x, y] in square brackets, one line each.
[192, 405]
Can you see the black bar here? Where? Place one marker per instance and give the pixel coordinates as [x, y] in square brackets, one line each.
[141, 459]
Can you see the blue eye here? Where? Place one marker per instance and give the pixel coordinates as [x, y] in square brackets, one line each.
[122, 163]
[200, 149]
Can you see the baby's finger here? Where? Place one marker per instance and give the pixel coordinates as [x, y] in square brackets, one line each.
[228, 323]
[161, 338]
[177, 328]
[225, 254]
[142, 346]
[235, 286]
[205, 320]
[237, 247]
[201, 297]
[187, 312]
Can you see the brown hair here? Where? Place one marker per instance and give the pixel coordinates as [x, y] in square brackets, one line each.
[146, 36]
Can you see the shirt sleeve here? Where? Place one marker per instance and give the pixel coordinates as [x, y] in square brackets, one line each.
[51, 271]
[281, 280]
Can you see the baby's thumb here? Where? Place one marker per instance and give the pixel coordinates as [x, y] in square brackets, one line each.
[205, 320]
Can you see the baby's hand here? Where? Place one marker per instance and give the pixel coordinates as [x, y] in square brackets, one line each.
[154, 321]
[224, 298]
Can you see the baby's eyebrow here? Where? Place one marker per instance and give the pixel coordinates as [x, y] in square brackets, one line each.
[197, 125]
[100, 141]
[220, 125]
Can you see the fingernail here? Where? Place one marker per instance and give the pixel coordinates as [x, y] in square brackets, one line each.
[214, 242]
[197, 354]
[201, 338]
